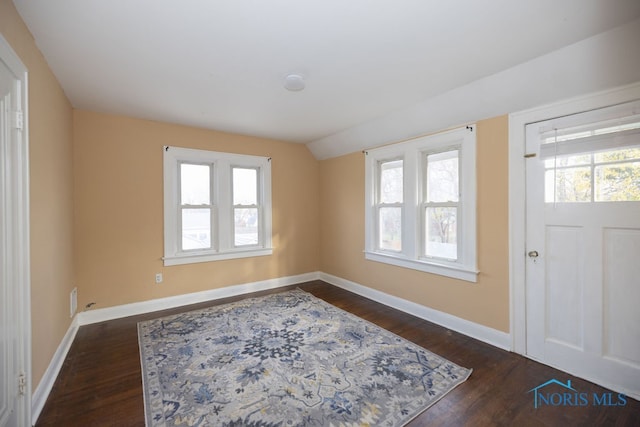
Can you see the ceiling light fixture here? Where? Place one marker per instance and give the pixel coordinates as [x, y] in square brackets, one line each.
[294, 82]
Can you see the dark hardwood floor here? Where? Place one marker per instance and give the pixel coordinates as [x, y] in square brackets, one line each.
[100, 382]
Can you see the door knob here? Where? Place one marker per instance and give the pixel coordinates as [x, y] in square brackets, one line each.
[533, 254]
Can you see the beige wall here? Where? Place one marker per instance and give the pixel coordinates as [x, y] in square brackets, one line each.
[51, 195]
[119, 205]
[342, 237]
[103, 194]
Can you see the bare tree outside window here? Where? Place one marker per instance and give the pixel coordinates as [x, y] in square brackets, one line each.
[607, 176]
[442, 204]
[391, 198]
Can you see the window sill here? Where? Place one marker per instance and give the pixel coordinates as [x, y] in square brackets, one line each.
[196, 258]
[455, 272]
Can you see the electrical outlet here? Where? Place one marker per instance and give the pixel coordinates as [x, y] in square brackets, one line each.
[158, 277]
[73, 302]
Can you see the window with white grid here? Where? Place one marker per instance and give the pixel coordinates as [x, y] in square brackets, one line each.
[216, 206]
[421, 204]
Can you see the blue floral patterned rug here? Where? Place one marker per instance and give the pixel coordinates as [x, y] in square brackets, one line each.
[287, 359]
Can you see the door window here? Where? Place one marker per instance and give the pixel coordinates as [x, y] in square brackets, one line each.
[598, 162]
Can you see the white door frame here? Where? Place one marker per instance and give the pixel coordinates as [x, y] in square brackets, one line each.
[517, 194]
[18, 270]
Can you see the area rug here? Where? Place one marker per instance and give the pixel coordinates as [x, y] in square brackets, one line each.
[286, 359]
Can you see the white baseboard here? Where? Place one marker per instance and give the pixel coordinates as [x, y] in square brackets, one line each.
[41, 392]
[474, 330]
[143, 307]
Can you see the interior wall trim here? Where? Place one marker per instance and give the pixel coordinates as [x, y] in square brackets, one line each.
[474, 330]
[41, 392]
[480, 332]
[517, 193]
[143, 307]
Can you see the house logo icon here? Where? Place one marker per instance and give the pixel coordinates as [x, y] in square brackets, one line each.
[538, 396]
[564, 394]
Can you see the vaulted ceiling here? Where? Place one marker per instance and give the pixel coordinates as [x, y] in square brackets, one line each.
[221, 64]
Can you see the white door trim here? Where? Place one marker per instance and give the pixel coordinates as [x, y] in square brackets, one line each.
[18, 243]
[517, 196]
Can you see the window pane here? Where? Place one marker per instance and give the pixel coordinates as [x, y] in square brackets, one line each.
[617, 183]
[442, 232]
[616, 155]
[196, 229]
[574, 160]
[195, 184]
[390, 229]
[571, 185]
[245, 186]
[442, 177]
[391, 190]
[246, 226]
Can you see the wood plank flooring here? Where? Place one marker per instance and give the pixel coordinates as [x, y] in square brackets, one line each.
[100, 382]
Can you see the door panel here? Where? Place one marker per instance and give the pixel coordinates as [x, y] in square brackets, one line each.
[583, 245]
[621, 295]
[565, 263]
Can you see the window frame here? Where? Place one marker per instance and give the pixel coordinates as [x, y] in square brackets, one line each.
[603, 130]
[221, 202]
[379, 205]
[183, 206]
[258, 205]
[424, 202]
[413, 252]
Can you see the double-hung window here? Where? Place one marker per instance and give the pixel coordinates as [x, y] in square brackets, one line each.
[390, 205]
[421, 204]
[440, 204]
[216, 206]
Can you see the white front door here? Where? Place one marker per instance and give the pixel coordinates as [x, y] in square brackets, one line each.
[583, 245]
[14, 281]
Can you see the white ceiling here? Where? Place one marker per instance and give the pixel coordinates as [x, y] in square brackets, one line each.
[221, 64]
